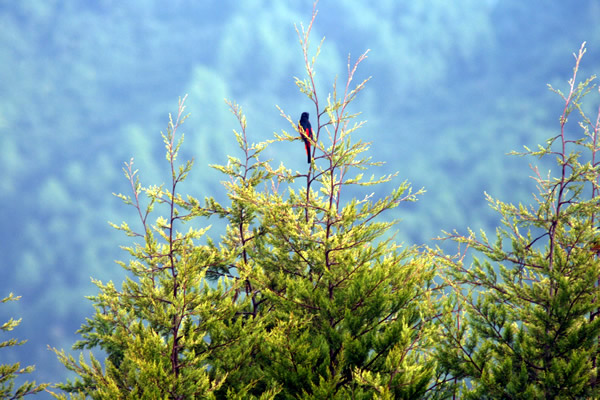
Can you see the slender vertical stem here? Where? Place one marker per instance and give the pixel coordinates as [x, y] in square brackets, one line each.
[176, 319]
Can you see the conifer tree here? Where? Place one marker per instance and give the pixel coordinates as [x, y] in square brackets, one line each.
[523, 323]
[305, 295]
[154, 330]
[346, 312]
[10, 372]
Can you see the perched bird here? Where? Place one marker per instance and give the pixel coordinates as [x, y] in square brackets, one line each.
[306, 132]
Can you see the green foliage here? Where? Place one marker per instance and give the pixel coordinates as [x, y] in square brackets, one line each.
[345, 311]
[304, 296]
[444, 90]
[155, 328]
[10, 372]
[523, 322]
[307, 295]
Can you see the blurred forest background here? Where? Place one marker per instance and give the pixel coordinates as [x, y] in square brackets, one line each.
[85, 86]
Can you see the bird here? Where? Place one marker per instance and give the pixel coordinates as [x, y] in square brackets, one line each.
[306, 132]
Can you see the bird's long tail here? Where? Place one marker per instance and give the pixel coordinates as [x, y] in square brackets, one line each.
[307, 146]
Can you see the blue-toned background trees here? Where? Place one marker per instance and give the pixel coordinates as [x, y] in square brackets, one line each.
[85, 86]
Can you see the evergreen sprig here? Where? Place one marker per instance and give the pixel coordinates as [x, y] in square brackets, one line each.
[10, 372]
